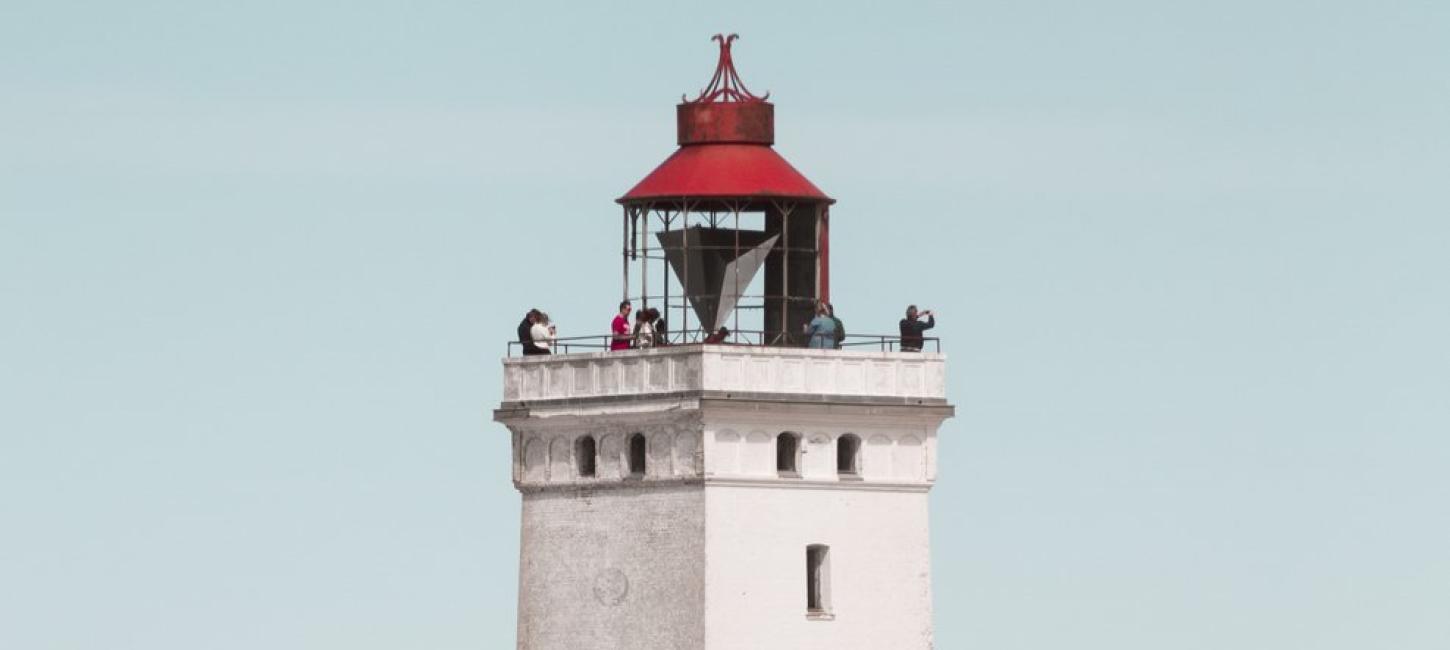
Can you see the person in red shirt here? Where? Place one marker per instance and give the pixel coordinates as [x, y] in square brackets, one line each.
[620, 335]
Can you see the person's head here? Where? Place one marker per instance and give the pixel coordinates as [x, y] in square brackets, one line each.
[624, 308]
[534, 315]
[911, 312]
[830, 309]
[544, 319]
[822, 309]
[724, 331]
[652, 314]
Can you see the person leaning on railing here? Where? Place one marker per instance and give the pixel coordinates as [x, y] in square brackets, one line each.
[526, 332]
[821, 331]
[644, 328]
[543, 334]
[912, 329]
[662, 329]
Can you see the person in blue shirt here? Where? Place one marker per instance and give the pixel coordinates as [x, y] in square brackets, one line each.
[821, 332]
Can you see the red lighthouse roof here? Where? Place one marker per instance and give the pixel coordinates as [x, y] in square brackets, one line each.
[725, 170]
[725, 137]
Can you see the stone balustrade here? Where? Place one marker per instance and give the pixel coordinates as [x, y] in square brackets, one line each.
[727, 369]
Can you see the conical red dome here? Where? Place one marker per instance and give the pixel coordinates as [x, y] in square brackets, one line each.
[725, 137]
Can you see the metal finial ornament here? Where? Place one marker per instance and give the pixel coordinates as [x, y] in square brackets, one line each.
[725, 86]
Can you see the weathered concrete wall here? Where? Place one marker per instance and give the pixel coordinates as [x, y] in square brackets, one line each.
[613, 569]
[550, 458]
[880, 577]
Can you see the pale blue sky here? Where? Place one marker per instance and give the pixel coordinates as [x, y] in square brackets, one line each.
[258, 262]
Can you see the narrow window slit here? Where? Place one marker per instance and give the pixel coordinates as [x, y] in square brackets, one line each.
[637, 455]
[787, 454]
[818, 581]
[848, 455]
[584, 455]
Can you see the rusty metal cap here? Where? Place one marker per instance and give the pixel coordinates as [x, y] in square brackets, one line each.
[726, 111]
[752, 123]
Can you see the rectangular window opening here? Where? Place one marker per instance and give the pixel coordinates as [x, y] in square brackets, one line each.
[818, 582]
[787, 455]
[584, 451]
[638, 452]
[848, 456]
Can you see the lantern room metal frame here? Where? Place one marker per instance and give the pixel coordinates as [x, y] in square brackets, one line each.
[643, 221]
[725, 168]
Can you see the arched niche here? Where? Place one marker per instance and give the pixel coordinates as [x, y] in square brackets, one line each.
[610, 458]
[686, 444]
[535, 460]
[876, 462]
[817, 462]
[909, 460]
[559, 465]
[757, 456]
[661, 446]
[724, 456]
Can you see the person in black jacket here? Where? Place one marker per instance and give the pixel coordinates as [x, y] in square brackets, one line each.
[912, 328]
[526, 335]
[840, 328]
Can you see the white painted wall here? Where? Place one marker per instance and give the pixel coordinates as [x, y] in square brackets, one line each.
[903, 454]
[755, 586]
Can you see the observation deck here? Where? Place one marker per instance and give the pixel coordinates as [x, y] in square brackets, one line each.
[728, 371]
[681, 414]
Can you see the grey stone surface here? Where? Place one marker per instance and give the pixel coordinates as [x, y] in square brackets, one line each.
[619, 569]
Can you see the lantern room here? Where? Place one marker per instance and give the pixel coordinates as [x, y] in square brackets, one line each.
[725, 233]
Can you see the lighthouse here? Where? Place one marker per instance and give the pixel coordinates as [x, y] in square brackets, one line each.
[727, 487]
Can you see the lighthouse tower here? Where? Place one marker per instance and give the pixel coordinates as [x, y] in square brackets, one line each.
[744, 493]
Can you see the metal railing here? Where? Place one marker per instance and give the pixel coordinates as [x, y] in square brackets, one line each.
[749, 338]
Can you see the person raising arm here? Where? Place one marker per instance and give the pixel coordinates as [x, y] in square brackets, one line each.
[912, 328]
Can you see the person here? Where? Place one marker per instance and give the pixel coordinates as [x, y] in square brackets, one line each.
[526, 332]
[840, 329]
[821, 331]
[619, 330]
[644, 330]
[662, 334]
[718, 337]
[543, 334]
[912, 328]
